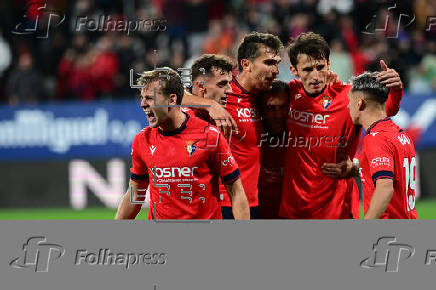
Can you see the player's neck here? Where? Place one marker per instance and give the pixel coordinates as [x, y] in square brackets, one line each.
[246, 83]
[371, 117]
[174, 121]
[315, 94]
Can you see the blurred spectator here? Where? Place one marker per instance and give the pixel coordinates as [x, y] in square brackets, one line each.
[341, 62]
[219, 40]
[198, 19]
[25, 83]
[104, 66]
[428, 66]
[87, 65]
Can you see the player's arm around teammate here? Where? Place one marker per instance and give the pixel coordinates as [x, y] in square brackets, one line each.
[391, 79]
[223, 120]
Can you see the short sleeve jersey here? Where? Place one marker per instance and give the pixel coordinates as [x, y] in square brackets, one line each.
[321, 131]
[183, 168]
[388, 152]
[245, 143]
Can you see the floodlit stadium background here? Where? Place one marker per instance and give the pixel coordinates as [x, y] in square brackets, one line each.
[68, 114]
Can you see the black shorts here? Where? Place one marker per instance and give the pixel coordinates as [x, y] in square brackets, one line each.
[228, 214]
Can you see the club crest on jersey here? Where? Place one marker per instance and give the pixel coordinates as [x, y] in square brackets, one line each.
[190, 147]
[326, 102]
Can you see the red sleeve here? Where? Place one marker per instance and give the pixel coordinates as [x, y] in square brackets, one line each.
[138, 171]
[224, 162]
[393, 102]
[188, 111]
[293, 87]
[380, 156]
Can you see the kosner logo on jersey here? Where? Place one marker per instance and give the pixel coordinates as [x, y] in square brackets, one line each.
[246, 113]
[173, 172]
[308, 117]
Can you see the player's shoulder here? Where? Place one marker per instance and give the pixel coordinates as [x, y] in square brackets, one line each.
[187, 110]
[144, 132]
[211, 129]
[295, 84]
[204, 127]
[382, 136]
[195, 121]
[198, 125]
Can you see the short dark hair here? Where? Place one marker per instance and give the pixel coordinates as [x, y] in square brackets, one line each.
[279, 86]
[249, 47]
[372, 89]
[312, 44]
[170, 81]
[208, 62]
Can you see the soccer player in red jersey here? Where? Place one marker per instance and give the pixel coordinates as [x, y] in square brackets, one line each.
[211, 77]
[258, 59]
[274, 109]
[387, 159]
[317, 178]
[180, 157]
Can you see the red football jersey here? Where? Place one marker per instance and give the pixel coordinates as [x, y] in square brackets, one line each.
[321, 131]
[183, 167]
[245, 143]
[388, 152]
[199, 113]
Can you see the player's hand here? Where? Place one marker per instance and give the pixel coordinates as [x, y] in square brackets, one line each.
[389, 77]
[223, 120]
[343, 169]
[332, 78]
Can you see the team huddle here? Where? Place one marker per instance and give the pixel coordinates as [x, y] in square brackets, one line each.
[248, 146]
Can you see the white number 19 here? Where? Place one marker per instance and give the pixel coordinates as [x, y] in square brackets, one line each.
[410, 182]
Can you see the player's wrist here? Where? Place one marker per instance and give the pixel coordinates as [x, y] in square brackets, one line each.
[352, 168]
[355, 167]
[400, 87]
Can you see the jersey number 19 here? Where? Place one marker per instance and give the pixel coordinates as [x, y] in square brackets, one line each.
[410, 182]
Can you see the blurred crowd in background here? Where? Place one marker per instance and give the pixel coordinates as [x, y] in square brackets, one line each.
[79, 64]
